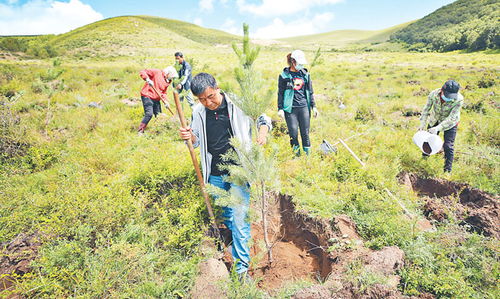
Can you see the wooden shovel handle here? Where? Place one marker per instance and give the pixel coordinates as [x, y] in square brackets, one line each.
[190, 146]
[163, 100]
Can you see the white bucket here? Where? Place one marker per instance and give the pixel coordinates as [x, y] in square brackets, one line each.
[428, 143]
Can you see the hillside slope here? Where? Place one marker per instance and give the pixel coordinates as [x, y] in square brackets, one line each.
[464, 24]
[343, 38]
[135, 35]
[332, 39]
[122, 36]
[384, 35]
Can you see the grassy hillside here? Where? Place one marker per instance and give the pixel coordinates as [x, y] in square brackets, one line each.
[106, 213]
[463, 24]
[384, 34]
[90, 209]
[339, 39]
[328, 40]
[121, 36]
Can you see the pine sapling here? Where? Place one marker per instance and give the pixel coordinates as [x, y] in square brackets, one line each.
[253, 167]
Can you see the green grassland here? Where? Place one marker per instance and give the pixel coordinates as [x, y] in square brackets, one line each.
[121, 216]
[341, 39]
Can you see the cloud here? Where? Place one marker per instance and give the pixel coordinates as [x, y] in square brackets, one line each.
[303, 26]
[45, 17]
[206, 5]
[198, 21]
[271, 8]
[230, 26]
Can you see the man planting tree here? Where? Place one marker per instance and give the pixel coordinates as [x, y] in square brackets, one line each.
[214, 122]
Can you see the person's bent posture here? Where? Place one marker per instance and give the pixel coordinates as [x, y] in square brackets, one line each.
[154, 91]
[442, 113]
[215, 120]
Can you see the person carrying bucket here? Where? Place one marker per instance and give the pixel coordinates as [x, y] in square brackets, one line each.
[442, 113]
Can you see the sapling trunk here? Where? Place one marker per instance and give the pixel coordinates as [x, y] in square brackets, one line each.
[264, 224]
[254, 103]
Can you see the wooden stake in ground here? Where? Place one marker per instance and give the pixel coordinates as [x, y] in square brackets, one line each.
[352, 153]
[163, 100]
[190, 146]
[405, 210]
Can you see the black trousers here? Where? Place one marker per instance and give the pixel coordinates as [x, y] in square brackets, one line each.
[150, 108]
[299, 118]
[448, 146]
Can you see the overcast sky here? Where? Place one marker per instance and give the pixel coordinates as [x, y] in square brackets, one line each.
[267, 18]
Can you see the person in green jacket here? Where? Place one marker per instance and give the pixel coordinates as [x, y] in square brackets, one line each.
[442, 113]
[296, 100]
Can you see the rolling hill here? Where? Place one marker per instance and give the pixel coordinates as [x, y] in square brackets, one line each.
[464, 24]
[122, 36]
[132, 35]
[343, 38]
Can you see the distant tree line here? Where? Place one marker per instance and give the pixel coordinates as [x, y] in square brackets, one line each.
[36, 46]
[462, 25]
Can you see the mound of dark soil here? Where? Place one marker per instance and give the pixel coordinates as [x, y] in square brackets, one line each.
[479, 209]
[16, 257]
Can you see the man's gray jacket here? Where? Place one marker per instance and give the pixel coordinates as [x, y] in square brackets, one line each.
[241, 125]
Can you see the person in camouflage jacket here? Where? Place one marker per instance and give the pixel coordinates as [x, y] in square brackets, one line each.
[442, 113]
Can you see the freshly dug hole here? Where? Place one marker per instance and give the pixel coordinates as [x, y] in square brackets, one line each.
[477, 208]
[299, 250]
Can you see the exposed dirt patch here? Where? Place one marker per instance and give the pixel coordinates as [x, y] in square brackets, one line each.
[213, 276]
[315, 249]
[16, 257]
[131, 101]
[299, 250]
[479, 209]
[347, 227]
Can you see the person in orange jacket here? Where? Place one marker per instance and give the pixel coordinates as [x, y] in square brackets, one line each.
[159, 80]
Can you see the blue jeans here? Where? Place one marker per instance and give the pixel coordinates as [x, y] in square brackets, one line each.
[235, 218]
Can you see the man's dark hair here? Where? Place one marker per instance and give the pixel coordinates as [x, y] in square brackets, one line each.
[178, 54]
[201, 81]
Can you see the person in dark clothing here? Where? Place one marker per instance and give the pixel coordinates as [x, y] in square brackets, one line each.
[296, 100]
[184, 85]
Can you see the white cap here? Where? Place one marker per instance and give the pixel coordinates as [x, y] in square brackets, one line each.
[299, 57]
[170, 72]
[434, 142]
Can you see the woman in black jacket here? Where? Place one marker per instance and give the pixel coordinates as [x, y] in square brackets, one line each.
[296, 100]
